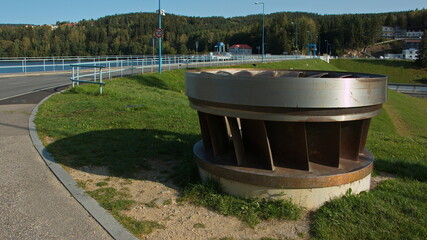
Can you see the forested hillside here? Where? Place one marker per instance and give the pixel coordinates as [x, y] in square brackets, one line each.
[130, 34]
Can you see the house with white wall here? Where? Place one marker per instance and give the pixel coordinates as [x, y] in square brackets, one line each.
[414, 34]
[240, 49]
[410, 54]
[407, 54]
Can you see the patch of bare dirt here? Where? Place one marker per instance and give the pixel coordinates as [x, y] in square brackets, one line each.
[156, 198]
[381, 176]
[401, 126]
[48, 140]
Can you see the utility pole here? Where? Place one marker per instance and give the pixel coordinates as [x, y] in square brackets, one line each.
[296, 37]
[263, 52]
[153, 44]
[327, 46]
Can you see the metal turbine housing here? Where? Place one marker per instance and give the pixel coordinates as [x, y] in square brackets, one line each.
[287, 129]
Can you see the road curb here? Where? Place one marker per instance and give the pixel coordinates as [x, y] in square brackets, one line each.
[106, 220]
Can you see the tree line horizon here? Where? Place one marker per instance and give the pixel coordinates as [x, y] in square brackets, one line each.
[132, 33]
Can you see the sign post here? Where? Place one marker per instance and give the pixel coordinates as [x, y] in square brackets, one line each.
[158, 33]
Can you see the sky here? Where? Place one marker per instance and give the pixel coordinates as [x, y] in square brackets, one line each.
[49, 11]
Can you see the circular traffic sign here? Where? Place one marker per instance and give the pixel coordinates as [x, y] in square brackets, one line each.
[158, 33]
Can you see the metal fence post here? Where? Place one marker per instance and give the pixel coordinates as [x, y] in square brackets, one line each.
[132, 66]
[109, 70]
[72, 77]
[137, 62]
[78, 75]
[100, 80]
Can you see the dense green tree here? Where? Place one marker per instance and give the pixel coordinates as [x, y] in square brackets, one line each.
[422, 53]
[130, 34]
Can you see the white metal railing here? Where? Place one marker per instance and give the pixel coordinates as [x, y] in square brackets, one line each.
[409, 88]
[76, 78]
[39, 64]
[134, 65]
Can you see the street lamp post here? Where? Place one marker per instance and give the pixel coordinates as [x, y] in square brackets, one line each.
[152, 45]
[296, 37]
[309, 45]
[262, 58]
[327, 46]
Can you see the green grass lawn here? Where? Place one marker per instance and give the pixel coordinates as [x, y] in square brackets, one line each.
[398, 71]
[148, 117]
[396, 209]
[312, 64]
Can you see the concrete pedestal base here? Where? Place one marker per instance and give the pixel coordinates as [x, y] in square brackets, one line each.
[310, 198]
[310, 189]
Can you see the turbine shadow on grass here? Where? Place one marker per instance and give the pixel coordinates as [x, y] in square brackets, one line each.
[402, 168]
[125, 151]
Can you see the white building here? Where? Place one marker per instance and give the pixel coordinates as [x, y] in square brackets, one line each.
[240, 49]
[410, 54]
[387, 32]
[393, 56]
[397, 32]
[407, 54]
[414, 34]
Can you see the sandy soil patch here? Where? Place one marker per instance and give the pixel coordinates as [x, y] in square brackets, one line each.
[157, 196]
[158, 200]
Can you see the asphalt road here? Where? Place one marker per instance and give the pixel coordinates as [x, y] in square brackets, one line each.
[14, 85]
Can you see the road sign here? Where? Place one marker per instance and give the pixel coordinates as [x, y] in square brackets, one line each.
[158, 33]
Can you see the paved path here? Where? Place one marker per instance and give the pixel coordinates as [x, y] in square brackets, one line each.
[33, 203]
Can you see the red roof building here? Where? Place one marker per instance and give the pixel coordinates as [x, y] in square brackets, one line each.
[240, 49]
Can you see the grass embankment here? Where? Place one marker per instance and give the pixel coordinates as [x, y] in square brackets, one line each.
[398, 71]
[312, 64]
[147, 117]
[136, 119]
[396, 209]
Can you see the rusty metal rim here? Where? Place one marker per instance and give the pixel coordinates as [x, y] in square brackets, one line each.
[248, 113]
[286, 182]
